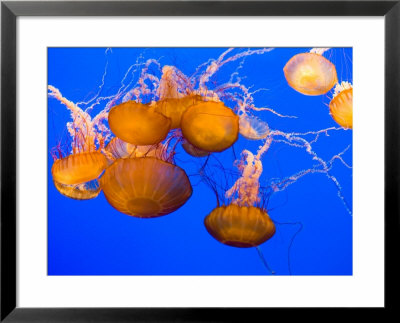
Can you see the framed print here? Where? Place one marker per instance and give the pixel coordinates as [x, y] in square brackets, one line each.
[198, 161]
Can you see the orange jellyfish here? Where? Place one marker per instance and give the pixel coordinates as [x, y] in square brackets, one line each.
[310, 73]
[242, 222]
[341, 106]
[239, 226]
[75, 175]
[138, 124]
[210, 126]
[145, 187]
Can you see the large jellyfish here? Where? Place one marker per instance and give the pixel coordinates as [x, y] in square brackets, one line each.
[145, 187]
[210, 126]
[138, 124]
[310, 73]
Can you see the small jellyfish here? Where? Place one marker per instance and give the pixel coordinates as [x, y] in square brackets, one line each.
[173, 108]
[192, 150]
[84, 191]
[118, 148]
[145, 187]
[138, 124]
[252, 127]
[341, 106]
[239, 226]
[75, 172]
[210, 126]
[310, 73]
[78, 168]
[158, 151]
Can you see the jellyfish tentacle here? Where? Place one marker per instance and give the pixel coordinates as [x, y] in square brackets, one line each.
[264, 261]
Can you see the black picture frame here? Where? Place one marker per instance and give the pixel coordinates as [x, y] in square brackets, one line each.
[10, 10]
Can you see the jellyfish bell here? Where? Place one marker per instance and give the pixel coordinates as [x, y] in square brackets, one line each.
[78, 168]
[239, 226]
[84, 191]
[145, 187]
[310, 73]
[341, 106]
[252, 127]
[210, 126]
[138, 124]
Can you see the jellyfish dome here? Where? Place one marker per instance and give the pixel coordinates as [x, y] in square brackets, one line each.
[138, 124]
[78, 168]
[310, 74]
[145, 187]
[341, 106]
[210, 126]
[239, 226]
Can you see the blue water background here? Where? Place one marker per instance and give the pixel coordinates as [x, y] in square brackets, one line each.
[91, 238]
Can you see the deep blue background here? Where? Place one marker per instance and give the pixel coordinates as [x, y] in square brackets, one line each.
[92, 238]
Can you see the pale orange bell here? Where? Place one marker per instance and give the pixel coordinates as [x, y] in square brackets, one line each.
[145, 187]
[118, 148]
[84, 191]
[341, 108]
[138, 124]
[310, 74]
[239, 226]
[253, 128]
[210, 126]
